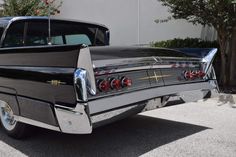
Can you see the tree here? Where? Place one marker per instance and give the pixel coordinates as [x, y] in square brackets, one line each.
[29, 7]
[220, 14]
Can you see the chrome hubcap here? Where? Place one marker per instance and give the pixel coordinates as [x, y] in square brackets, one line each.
[7, 117]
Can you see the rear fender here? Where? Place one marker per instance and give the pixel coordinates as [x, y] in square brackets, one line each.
[8, 95]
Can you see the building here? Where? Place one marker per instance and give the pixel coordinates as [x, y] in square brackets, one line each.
[131, 22]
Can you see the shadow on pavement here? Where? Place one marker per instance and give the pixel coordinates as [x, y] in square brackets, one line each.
[130, 137]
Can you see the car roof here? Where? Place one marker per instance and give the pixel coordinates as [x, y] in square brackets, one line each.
[6, 20]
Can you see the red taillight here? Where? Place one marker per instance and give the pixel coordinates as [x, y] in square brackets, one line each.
[109, 84]
[126, 82]
[201, 74]
[187, 75]
[103, 85]
[115, 84]
[191, 75]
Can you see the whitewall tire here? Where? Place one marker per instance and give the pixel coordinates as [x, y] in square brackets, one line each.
[9, 123]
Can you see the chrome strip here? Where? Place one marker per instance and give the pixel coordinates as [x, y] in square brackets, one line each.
[103, 104]
[144, 60]
[142, 68]
[36, 123]
[84, 62]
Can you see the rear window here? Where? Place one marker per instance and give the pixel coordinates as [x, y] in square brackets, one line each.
[35, 33]
[78, 39]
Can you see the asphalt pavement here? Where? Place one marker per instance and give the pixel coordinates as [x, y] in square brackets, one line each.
[198, 129]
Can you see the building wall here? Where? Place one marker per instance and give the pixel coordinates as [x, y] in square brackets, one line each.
[130, 21]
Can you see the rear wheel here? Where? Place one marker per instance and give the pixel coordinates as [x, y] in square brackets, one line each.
[10, 125]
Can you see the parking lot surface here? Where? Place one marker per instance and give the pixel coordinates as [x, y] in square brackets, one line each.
[198, 129]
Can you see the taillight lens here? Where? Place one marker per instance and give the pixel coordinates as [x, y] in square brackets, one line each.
[115, 83]
[103, 85]
[126, 82]
[187, 75]
[191, 75]
[201, 74]
[111, 83]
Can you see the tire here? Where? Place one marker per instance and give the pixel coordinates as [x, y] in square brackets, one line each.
[207, 94]
[10, 126]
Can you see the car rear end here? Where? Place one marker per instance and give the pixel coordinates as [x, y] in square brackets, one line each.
[112, 83]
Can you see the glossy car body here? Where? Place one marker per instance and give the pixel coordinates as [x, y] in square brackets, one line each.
[73, 88]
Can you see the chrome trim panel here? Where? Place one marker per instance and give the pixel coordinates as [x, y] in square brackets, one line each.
[139, 61]
[80, 77]
[103, 104]
[122, 65]
[209, 59]
[73, 121]
[139, 68]
[36, 123]
[84, 62]
[111, 114]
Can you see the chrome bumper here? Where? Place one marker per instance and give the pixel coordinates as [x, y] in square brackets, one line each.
[80, 121]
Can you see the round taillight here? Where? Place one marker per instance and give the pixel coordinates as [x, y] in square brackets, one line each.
[126, 82]
[115, 84]
[187, 75]
[202, 74]
[103, 85]
[193, 75]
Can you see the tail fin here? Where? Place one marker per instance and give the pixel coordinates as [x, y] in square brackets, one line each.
[207, 55]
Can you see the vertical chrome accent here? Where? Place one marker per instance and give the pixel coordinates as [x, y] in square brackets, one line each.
[209, 59]
[85, 62]
[80, 77]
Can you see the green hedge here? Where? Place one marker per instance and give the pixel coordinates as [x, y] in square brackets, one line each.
[185, 43]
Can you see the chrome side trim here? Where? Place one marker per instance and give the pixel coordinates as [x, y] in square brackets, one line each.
[32, 122]
[84, 62]
[143, 68]
[139, 61]
[73, 121]
[36, 123]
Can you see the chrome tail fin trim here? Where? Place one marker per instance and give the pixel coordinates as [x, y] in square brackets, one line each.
[85, 62]
[207, 60]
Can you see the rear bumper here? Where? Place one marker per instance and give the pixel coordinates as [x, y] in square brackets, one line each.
[85, 116]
